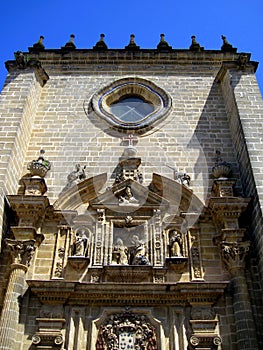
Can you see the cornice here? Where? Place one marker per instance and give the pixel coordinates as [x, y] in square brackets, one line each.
[58, 57]
[53, 292]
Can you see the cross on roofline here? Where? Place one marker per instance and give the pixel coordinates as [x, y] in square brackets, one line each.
[131, 139]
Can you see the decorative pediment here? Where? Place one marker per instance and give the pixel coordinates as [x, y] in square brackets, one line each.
[129, 195]
[177, 194]
[81, 193]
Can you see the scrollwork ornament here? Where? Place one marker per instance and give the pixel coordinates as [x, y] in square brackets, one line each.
[59, 340]
[194, 340]
[36, 339]
[217, 341]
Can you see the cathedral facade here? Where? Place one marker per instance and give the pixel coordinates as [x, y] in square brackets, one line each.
[131, 207]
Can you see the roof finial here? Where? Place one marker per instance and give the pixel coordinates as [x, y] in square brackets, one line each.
[163, 45]
[132, 45]
[226, 47]
[39, 45]
[70, 45]
[195, 46]
[101, 45]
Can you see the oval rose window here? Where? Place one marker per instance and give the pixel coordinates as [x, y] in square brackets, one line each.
[131, 104]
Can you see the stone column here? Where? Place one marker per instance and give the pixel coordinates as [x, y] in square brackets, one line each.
[227, 210]
[22, 252]
[233, 255]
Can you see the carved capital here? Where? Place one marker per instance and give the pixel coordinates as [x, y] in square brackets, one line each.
[233, 254]
[208, 342]
[21, 251]
[54, 338]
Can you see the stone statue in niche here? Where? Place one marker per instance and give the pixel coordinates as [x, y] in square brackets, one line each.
[120, 253]
[80, 243]
[175, 244]
[138, 252]
[127, 197]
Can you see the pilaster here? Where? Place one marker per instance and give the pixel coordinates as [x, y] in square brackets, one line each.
[227, 210]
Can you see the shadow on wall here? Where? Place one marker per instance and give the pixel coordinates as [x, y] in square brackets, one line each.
[212, 134]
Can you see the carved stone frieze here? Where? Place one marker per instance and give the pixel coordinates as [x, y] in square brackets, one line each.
[22, 233]
[114, 293]
[128, 274]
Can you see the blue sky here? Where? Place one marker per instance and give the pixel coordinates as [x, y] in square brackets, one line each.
[22, 22]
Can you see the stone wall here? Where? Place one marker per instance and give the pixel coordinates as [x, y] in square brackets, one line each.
[244, 107]
[185, 140]
[211, 112]
[19, 102]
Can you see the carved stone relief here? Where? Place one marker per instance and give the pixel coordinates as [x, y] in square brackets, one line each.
[196, 269]
[126, 331]
[62, 251]
[130, 247]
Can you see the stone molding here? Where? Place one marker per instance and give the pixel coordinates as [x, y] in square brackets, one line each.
[34, 64]
[146, 56]
[28, 208]
[139, 294]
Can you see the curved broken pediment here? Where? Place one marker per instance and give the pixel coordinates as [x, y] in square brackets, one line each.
[160, 194]
[182, 200]
[81, 193]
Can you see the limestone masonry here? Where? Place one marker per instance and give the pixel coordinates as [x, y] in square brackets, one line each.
[131, 199]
